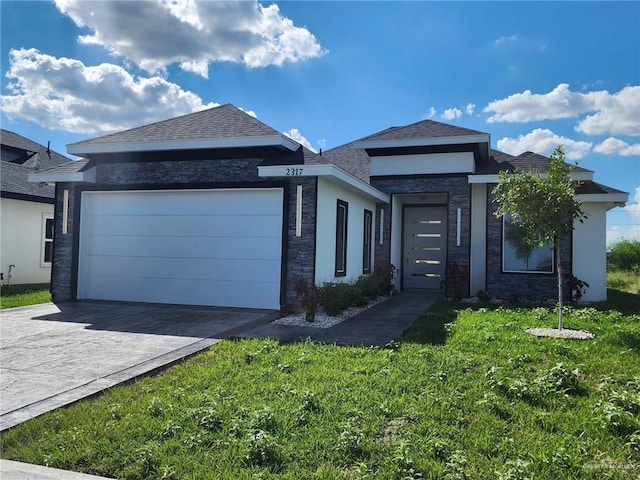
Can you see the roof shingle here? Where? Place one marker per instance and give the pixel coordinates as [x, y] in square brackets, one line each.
[224, 121]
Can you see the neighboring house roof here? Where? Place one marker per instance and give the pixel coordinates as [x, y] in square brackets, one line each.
[21, 157]
[422, 129]
[224, 122]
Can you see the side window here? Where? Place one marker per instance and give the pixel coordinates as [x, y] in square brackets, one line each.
[366, 242]
[518, 257]
[341, 238]
[47, 240]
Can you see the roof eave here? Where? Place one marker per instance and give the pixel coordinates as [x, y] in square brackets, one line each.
[87, 148]
[87, 176]
[422, 142]
[586, 176]
[328, 170]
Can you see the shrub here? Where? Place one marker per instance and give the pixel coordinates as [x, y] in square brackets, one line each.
[310, 295]
[624, 255]
[336, 297]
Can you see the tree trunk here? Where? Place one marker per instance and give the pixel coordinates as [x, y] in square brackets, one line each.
[556, 247]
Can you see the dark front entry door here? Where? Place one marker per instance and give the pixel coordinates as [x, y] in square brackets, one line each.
[425, 246]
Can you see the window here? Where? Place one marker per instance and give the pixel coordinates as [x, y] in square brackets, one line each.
[47, 240]
[517, 256]
[341, 238]
[366, 242]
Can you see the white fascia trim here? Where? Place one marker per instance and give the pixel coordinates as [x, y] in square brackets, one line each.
[330, 170]
[614, 198]
[493, 178]
[420, 142]
[82, 149]
[88, 176]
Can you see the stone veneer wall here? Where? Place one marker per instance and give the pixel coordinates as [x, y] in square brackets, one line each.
[459, 196]
[528, 286]
[299, 251]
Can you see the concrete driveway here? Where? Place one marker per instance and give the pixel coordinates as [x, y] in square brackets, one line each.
[53, 355]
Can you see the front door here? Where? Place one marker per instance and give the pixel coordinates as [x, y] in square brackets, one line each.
[425, 246]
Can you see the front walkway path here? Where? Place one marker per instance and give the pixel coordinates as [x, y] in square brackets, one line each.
[375, 326]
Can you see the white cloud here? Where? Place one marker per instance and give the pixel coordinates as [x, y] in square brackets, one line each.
[543, 142]
[506, 39]
[431, 113]
[616, 146]
[295, 134]
[470, 108]
[615, 113]
[65, 94]
[633, 207]
[627, 232]
[451, 113]
[192, 33]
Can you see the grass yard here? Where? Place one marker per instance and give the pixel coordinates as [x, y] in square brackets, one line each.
[465, 394]
[23, 295]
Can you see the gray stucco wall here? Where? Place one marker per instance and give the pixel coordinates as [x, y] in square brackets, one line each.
[299, 251]
[459, 196]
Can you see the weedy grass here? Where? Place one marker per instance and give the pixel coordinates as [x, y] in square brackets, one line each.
[24, 295]
[626, 281]
[464, 394]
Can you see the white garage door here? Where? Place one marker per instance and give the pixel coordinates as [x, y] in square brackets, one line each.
[192, 247]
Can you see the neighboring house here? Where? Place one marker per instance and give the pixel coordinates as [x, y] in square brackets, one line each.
[26, 210]
[217, 208]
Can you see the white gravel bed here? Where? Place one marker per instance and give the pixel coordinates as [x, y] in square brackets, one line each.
[564, 333]
[322, 319]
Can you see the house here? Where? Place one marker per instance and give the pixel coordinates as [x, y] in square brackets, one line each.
[26, 210]
[217, 208]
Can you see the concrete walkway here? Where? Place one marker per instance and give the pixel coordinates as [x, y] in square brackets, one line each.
[376, 326]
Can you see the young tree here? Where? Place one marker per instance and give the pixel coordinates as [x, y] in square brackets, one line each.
[543, 204]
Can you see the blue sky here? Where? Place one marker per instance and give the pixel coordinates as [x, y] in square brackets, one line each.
[532, 74]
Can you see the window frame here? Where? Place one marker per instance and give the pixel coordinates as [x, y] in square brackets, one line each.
[549, 247]
[342, 222]
[45, 241]
[367, 236]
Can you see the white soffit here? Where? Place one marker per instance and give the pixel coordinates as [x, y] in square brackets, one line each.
[422, 142]
[87, 176]
[333, 172]
[423, 164]
[83, 149]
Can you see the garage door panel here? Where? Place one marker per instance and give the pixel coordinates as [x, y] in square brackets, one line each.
[187, 292]
[212, 225]
[192, 202]
[184, 268]
[204, 247]
[187, 247]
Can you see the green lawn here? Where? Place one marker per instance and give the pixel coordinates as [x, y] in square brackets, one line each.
[23, 295]
[464, 394]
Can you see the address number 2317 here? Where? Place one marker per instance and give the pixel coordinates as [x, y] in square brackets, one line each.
[292, 172]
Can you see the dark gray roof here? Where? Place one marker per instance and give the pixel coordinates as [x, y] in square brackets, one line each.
[29, 157]
[71, 167]
[595, 188]
[356, 162]
[422, 129]
[501, 161]
[225, 121]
